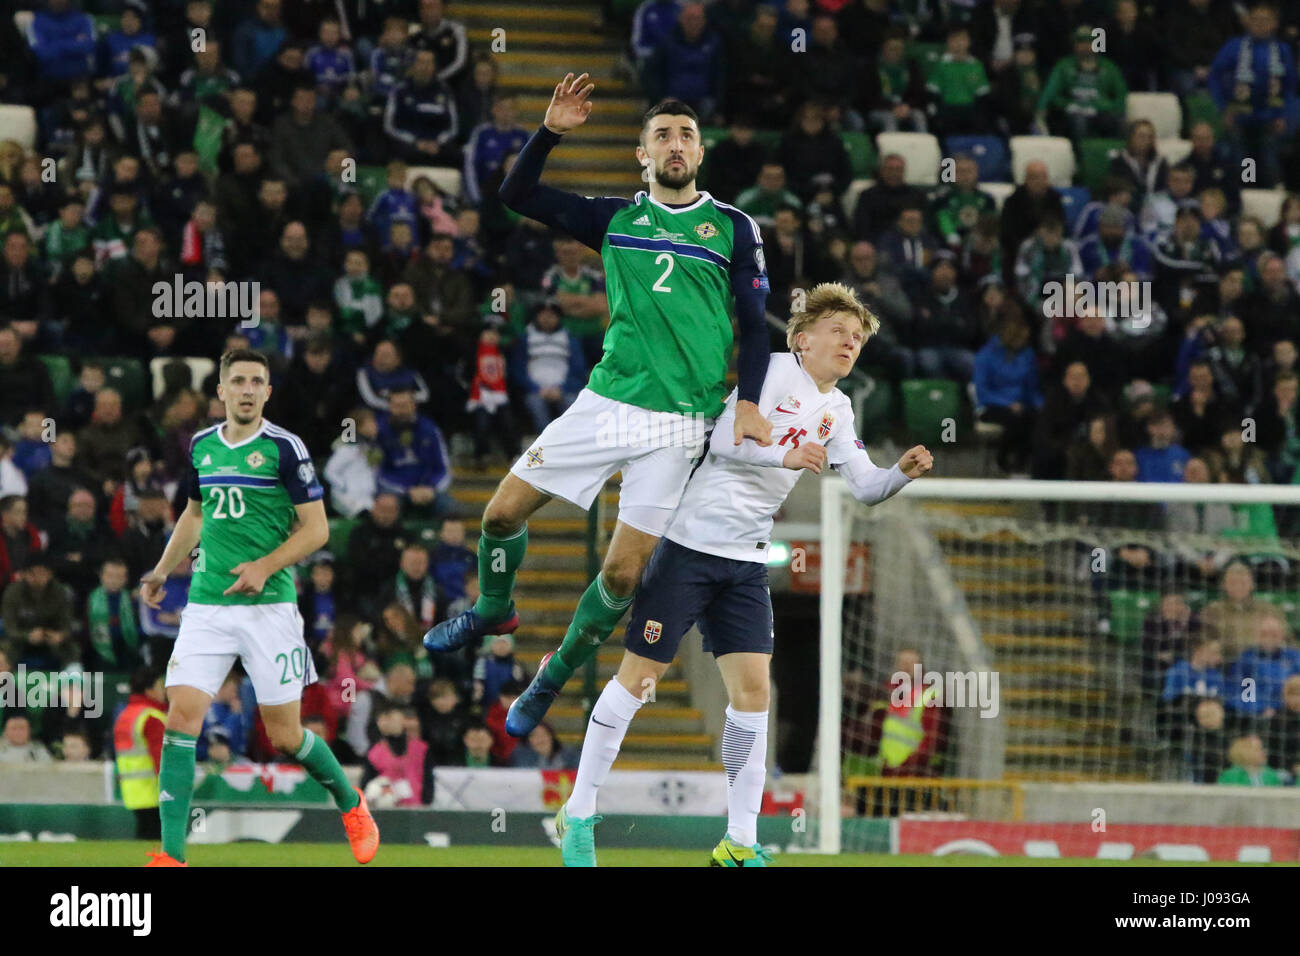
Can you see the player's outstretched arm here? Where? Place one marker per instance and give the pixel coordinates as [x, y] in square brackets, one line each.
[584, 218]
[310, 535]
[184, 537]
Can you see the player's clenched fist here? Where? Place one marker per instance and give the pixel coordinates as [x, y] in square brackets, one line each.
[916, 462]
[151, 589]
[808, 455]
[569, 104]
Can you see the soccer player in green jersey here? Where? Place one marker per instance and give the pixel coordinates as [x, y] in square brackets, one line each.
[254, 509]
[676, 263]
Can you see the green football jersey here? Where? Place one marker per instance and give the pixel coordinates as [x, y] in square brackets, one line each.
[669, 277]
[248, 491]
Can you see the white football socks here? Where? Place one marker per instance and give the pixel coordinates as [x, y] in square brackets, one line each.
[614, 710]
[744, 751]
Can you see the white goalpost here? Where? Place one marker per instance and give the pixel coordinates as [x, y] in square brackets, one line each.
[1049, 617]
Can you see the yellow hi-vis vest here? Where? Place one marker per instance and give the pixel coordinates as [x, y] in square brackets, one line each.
[135, 770]
[901, 736]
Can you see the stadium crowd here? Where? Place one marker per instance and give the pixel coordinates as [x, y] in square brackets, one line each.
[221, 140]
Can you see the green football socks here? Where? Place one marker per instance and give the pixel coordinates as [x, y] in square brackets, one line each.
[597, 614]
[175, 787]
[319, 761]
[498, 561]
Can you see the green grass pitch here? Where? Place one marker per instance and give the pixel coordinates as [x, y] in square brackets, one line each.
[129, 853]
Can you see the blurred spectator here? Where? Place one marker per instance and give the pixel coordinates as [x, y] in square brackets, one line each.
[446, 38]
[17, 746]
[1025, 209]
[1233, 618]
[1279, 429]
[398, 768]
[1210, 160]
[319, 602]
[1253, 82]
[12, 479]
[909, 249]
[414, 590]
[24, 381]
[1114, 246]
[442, 723]
[489, 143]
[102, 445]
[416, 464]
[547, 365]
[1258, 675]
[687, 65]
[881, 292]
[145, 537]
[577, 288]
[1139, 165]
[767, 195]
[1115, 191]
[79, 542]
[1248, 764]
[477, 744]
[958, 87]
[1231, 461]
[542, 750]
[62, 39]
[420, 117]
[495, 667]
[112, 627]
[944, 331]
[813, 154]
[955, 210]
[320, 393]
[1282, 733]
[879, 206]
[1006, 390]
[1199, 413]
[384, 376]
[1163, 458]
[1085, 95]
[37, 614]
[257, 39]
[1168, 635]
[451, 560]
[74, 747]
[1274, 307]
[489, 403]
[374, 547]
[1205, 753]
[1088, 457]
[444, 292]
[895, 95]
[353, 466]
[1190, 679]
[1068, 408]
[735, 162]
[20, 540]
[1045, 257]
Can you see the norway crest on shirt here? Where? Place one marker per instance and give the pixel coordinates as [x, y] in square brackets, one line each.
[824, 428]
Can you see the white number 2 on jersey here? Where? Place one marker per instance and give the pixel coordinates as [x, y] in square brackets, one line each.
[234, 497]
[659, 283]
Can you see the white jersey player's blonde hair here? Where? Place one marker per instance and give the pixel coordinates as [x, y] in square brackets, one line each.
[825, 299]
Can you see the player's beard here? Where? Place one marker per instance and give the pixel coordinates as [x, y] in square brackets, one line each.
[241, 418]
[674, 177]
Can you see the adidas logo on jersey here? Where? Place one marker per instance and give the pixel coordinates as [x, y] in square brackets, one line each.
[643, 221]
[164, 796]
[207, 460]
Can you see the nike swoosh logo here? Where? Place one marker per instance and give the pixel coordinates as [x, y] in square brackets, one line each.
[785, 410]
[733, 857]
[603, 724]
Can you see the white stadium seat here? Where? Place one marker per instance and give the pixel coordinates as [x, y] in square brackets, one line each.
[920, 151]
[851, 195]
[446, 179]
[999, 191]
[1055, 151]
[1173, 149]
[18, 123]
[1264, 204]
[200, 368]
[1162, 109]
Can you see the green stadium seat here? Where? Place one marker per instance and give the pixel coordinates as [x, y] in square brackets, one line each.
[927, 54]
[876, 415]
[129, 377]
[927, 403]
[340, 532]
[371, 181]
[1128, 609]
[61, 378]
[424, 530]
[862, 154]
[769, 138]
[1197, 598]
[711, 136]
[1094, 159]
[1200, 108]
[1163, 394]
[106, 22]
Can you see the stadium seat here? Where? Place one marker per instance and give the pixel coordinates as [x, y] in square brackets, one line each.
[926, 54]
[919, 150]
[873, 404]
[1287, 602]
[1264, 204]
[999, 191]
[990, 153]
[448, 180]
[862, 155]
[18, 123]
[371, 181]
[1162, 109]
[1128, 609]
[23, 20]
[851, 194]
[128, 376]
[1094, 160]
[107, 22]
[711, 136]
[424, 530]
[61, 378]
[1201, 108]
[200, 368]
[1173, 149]
[340, 532]
[770, 139]
[927, 402]
[1055, 151]
[1073, 199]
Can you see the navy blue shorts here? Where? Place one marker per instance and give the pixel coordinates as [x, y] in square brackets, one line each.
[729, 600]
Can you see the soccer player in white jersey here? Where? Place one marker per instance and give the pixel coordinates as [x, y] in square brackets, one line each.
[711, 566]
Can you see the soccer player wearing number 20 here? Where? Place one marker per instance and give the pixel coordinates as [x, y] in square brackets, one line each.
[255, 503]
[676, 261]
[710, 567]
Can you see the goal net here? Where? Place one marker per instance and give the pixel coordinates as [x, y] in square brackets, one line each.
[1025, 666]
